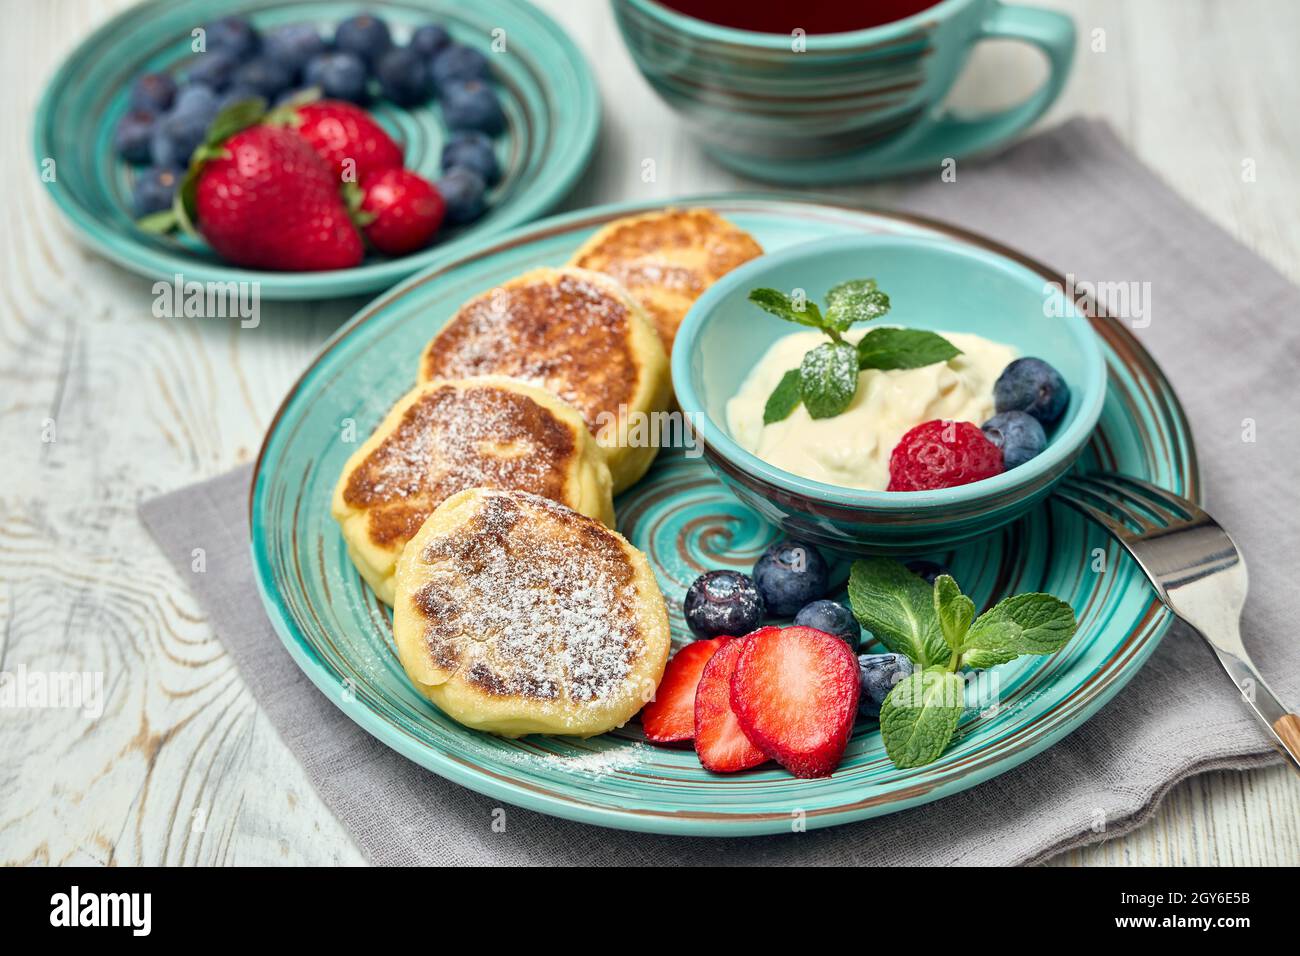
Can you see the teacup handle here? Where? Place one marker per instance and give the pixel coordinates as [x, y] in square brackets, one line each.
[1053, 34]
[937, 138]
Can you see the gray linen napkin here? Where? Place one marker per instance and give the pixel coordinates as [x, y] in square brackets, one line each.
[1222, 325]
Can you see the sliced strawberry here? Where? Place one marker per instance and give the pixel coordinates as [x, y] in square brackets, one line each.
[671, 715]
[720, 743]
[795, 694]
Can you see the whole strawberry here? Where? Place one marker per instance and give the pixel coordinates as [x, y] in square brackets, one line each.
[347, 138]
[402, 211]
[264, 199]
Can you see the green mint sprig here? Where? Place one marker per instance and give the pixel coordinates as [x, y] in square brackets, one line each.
[936, 628]
[827, 378]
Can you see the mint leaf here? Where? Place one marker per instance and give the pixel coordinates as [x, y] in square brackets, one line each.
[784, 307]
[828, 379]
[898, 607]
[954, 610]
[784, 398]
[857, 300]
[920, 715]
[1046, 623]
[989, 643]
[888, 348]
[1021, 624]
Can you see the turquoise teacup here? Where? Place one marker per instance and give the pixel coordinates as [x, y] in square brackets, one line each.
[838, 107]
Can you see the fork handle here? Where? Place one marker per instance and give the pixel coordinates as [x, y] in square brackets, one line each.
[1282, 726]
[1287, 729]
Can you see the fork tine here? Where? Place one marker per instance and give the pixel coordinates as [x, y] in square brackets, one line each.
[1161, 513]
[1098, 492]
[1120, 531]
[1168, 498]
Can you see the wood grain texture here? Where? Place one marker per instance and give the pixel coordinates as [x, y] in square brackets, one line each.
[181, 768]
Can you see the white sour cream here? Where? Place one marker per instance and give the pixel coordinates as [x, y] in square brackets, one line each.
[852, 449]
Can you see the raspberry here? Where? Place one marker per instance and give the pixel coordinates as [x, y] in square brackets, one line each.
[942, 454]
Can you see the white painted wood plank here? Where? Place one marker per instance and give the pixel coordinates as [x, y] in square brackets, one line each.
[182, 768]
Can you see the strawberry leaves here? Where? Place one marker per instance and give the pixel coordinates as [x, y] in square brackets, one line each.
[237, 116]
[827, 379]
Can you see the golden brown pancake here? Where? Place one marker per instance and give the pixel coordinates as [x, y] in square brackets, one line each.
[449, 435]
[575, 333]
[667, 259]
[516, 615]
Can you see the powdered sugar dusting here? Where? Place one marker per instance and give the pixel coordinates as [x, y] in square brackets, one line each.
[597, 763]
[562, 331]
[532, 600]
[458, 437]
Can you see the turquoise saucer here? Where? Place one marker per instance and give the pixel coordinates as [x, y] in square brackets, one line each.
[687, 521]
[547, 90]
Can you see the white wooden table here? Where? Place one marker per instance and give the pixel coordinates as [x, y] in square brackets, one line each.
[182, 768]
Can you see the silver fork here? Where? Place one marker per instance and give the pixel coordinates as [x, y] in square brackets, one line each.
[1196, 570]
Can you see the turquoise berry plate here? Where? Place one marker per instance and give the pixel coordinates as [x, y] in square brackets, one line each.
[687, 521]
[546, 88]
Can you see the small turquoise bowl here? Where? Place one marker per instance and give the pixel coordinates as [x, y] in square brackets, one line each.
[933, 284]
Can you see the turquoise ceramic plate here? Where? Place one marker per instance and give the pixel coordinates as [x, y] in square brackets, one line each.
[687, 522]
[546, 87]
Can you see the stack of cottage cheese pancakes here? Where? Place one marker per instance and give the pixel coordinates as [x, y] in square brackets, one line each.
[482, 507]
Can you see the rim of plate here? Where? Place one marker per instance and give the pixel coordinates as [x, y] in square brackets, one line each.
[571, 157]
[1038, 734]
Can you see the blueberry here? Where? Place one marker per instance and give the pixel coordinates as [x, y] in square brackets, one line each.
[153, 92]
[472, 150]
[472, 104]
[233, 35]
[789, 575]
[213, 69]
[722, 602]
[404, 76]
[177, 135]
[833, 618]
[364, 35]
[1018, 434]
[457, 63]
[340, 76]
[429, 39]
[264, 75]
[132, 135]
[877, 675]
[197, 100]
[154, 190]
[1031, 385]
[927, 569]
[463, 191]
[292, 45]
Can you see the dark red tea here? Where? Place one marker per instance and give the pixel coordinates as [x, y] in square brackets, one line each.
[812, 16]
